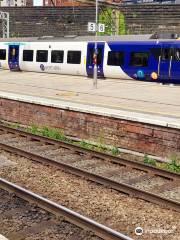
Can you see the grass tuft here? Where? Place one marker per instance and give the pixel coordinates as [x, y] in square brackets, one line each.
[149, 160]
[173, 166]
[115, 151]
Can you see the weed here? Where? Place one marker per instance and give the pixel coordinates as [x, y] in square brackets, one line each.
[15, 125]
[33, 129]
[173, 166]
[59, 135]
[149, 160]
[85, 145]
[115, 151]
[53, 133]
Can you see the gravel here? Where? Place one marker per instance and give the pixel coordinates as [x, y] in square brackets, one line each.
[127, 174]
[172, 194]
[151, 183]
[116, 210]
[20, 217]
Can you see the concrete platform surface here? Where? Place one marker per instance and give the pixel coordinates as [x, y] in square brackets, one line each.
[133, 100]
[2, 237]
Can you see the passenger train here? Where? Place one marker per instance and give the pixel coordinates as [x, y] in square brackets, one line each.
[125, 57]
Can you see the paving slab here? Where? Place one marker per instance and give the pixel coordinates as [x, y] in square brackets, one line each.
[133, 100]
[2, 237]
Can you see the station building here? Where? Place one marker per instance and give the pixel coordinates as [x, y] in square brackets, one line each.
[70, 3]
[16, 3]
[61, 3]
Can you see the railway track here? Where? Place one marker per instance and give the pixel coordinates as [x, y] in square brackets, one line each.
[134, 178]
[22, 218]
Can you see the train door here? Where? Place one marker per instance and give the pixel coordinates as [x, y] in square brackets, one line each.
[13, 57]
[165, 63]
[100, 58]
[175, 64]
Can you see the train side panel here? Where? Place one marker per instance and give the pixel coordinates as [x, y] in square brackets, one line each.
[132, 60]
[4, 56]
[152, 60]
[111, 70]
[52, 64]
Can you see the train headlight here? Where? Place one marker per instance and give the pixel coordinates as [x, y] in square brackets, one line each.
[154, 76]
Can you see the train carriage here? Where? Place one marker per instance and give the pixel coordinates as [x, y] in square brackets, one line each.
[123, 57]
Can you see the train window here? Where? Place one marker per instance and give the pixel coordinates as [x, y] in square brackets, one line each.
[2, 54]
[99, 56]
[115, 58]
[166, 53]
[177, 54]
[74, 57]
[28, 55]
[156, 52]
[57, 56]
[42, 56]
[139, 59]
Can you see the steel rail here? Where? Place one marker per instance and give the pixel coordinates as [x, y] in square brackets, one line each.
[104, 156]
[73, 217]
[121, 187]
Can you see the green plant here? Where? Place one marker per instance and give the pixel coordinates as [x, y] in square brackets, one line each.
[173, 166]
[53, 133]
[86, 145]
[33, 129]
[115, 151]
[48, 132]
[106, 17]
[176, 158]
[15, 125]
[59, 135]
[100, 147]
[149, 160]
[122, 25]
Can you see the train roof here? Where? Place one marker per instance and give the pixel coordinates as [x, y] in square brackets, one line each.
[74, 38]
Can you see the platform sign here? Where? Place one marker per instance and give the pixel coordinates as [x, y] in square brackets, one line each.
[101, 27]
[91, 27]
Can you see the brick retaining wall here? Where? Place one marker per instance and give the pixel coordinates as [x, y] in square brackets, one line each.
[48, 21]
[146, 138]
[60, 21]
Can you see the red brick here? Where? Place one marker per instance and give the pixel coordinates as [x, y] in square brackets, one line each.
[136, 136]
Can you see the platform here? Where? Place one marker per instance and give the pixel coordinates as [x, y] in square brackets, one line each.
[141, 101]
[140, 116]
[2, 237]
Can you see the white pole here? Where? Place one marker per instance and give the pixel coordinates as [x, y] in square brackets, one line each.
[7, 22]
[95, 48]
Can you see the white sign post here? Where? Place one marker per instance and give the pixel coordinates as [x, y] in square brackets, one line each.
[95, 27]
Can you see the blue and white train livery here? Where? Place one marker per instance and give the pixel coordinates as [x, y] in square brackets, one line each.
[120, 57]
